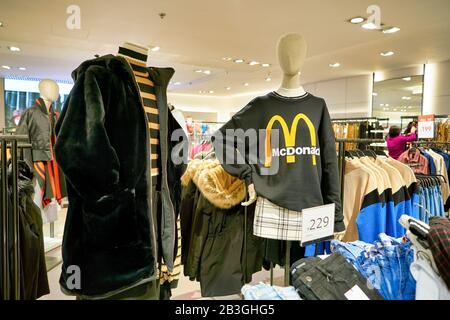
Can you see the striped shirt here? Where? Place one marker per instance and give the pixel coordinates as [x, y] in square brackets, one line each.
[137, 62]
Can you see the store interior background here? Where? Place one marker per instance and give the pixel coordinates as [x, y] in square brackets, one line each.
[201, 39]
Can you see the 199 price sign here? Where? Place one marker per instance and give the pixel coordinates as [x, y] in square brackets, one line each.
[317, 223]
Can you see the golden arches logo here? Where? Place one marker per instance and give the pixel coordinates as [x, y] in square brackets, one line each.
[289, 136]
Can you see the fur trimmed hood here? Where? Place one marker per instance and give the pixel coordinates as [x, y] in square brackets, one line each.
[220, 188]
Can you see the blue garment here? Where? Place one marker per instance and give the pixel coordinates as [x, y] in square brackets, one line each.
[322, 249]
[371, 221]
[391, 214]
[385, 264]
[264, 291]
[431, 164]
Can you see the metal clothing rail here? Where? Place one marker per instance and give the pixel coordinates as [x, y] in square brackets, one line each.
[10, 218]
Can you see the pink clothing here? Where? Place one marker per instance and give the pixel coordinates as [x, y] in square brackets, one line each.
[396, 146]
[203, 147]
[417, 162]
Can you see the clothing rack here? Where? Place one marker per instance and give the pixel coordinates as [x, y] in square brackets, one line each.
[10, 269]
[431, 143]
[341, 156]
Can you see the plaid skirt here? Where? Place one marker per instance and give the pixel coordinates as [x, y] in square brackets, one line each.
[274, 222]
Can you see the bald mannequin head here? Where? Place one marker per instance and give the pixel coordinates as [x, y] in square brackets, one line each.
[291, 52]
[49, 90]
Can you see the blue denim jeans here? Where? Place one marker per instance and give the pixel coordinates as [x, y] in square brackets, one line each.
[385, 265]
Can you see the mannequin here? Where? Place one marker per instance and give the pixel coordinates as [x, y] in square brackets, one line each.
[49, 91]
[291, 52]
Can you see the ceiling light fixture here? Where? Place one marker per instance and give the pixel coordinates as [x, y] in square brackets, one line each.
[407, 78]
[374, 94]
[253, 63]
[227, 59]
[395, 109]
[208, 72]
[228, 88]
[22, 68]
[387, 109]
[154, 49]
[246, 84]
[406, 98]
[335, 65]
[14, 49]
[268, 79]
[391, 30]
[238, 60]
[265, 65]
[6, 67]
[1, 24]
[381, 104]
[357, 20]
[409, 107]
[198, 71]
[369, 26]
[387, 104]
[177, 83]
[387, 54]
[211, 91]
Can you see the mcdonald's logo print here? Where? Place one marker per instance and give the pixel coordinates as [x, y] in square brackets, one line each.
[291, 151]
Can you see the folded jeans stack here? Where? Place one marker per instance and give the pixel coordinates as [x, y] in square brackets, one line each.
[386, 265]
[331, 279]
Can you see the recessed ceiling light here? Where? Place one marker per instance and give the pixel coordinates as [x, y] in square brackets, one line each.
[268, 79]
[1, 24]
[391, 30]
[14, 49]
[253, 63]
[177, 83]
[265, 65]
[406, 98]
[22, 68]
[409, 107]
[246, 84]
[407, 78]
[387, 54]
[211, 91]
[375, 94]
[381, 104]
[387, 104]
[395, 109]
[238, 60]
[208, 72]
[369, 26]
[227, 59]
[335, 65]
[228, 88]
[154, 49]
[6, 67]
[387, 109]
[198, 71]
[357, 20]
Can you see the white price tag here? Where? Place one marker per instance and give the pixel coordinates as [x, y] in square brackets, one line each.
[356, 293]
[317, 223]
[425, 128]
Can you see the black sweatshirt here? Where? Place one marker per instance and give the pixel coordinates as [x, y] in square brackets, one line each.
[290, 151]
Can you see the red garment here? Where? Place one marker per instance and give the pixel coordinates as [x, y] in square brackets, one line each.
[414, 159]
[204, 147]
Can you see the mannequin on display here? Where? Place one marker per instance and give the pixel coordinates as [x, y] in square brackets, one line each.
[298, 169]
[291, 51]
[38, 122]
[114, 145]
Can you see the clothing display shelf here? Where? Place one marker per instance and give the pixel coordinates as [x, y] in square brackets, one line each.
[10, 218]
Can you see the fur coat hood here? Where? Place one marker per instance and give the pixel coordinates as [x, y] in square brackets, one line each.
[220, 188]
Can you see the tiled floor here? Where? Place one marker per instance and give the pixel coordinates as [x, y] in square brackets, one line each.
[186, 290]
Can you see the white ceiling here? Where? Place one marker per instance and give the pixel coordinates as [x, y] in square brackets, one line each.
[196, 34]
